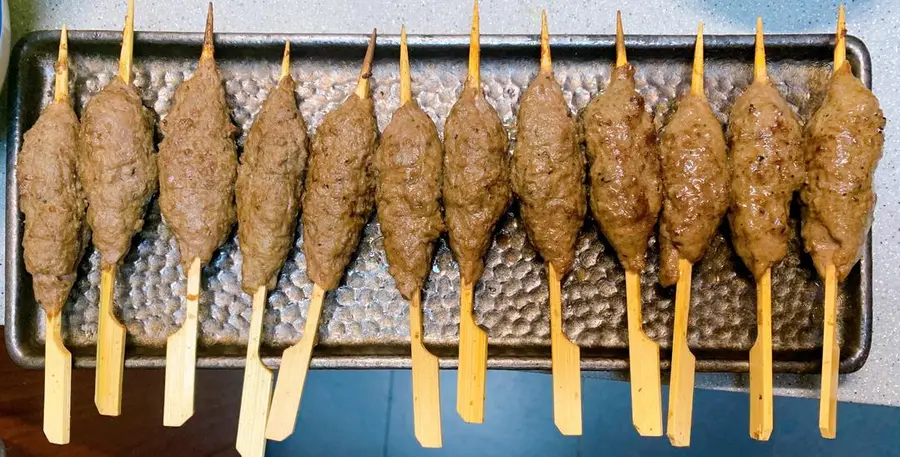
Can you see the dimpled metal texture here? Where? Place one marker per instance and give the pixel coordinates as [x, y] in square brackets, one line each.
[365, 321]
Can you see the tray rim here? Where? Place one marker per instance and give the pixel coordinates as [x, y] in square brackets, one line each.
[29, 356]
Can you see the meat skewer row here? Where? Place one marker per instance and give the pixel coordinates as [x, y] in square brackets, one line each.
[548, 178]
[118, 170]
[337, 203]
[623, 155]
[844, 141]
[197, 171]
[766, 168]
[408, 197]
[695, 197]
[55, 234]
[268, 191]
[476, 195]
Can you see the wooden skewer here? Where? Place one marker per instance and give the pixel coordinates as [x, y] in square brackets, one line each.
[643, 360]
[295, 360]
[831, 359]
[110, 350]
[546, 61]
[292, 376]
[111, 332]
[127, 54]
[565, 365]
[621, 58]
[475, 50]
[426, 382]
[840, 42]
[208, 52]
[697, 70]
[472, 359]
[57, 359]
[761, 409]
[181, 357]
[425, 368]
[365, 74]
[643, 353]
[470, 384]
[285, 62]
[565, 355]
[61, 86]
[681, 385]
[405, 75]
[257, 388]
[831, 352]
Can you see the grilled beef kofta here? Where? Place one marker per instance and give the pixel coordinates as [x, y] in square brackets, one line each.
[408, 195]
[117, 167]
[269, 186]
[623, 155]
[766, 166]
[695, 184]
[198, 165]
[340, 186]
[548, 172]
[476, 188]
[844, 141]
[53, 202]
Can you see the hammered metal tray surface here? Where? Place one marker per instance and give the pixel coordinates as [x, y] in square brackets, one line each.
[365, 322]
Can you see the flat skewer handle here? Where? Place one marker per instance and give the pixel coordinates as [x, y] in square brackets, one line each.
[57, 383]
[473, 345]
[565, 365]
[256, 393]
[761, 410]
[426, 381]
[831, 359]
[110, 350]
[643, 362]
[292, 375]
[681, 384]
[181, 358]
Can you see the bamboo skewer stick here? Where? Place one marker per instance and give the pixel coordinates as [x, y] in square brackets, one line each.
[257, 387]
[643, 360]
[295, 360]
[565, 355]
[565, 365]
[181, 357]
[643, 353]
[470, 384]
[57, 359]
[831, 351]
[111, 333]
[292, 376]
[425, 368]
[761, 409]
[831, 359]
[681, 383]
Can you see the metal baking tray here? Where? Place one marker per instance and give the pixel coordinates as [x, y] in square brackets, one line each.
[365, 321]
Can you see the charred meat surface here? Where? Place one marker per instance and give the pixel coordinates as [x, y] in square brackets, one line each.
[548, 172]
[269, 187]
[844, 142]
[117, 168]
[198, 166]
[340, 185]
[476, 188]
[767, 168]
[623, 154]
[408, 195]
[53, 203]
[695, 184]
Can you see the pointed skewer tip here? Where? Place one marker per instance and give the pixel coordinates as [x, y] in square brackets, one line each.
[405, 77]
[621, 57]
[546, 60]
[474, 76]
[208, 48]
[365, 74]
